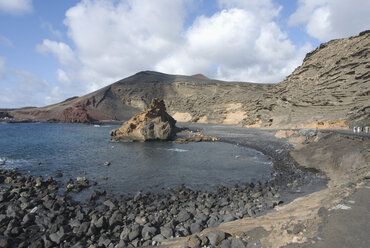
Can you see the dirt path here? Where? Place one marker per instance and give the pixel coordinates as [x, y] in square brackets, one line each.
[348, 224]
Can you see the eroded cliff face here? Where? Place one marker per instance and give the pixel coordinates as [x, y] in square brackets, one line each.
[329, 90]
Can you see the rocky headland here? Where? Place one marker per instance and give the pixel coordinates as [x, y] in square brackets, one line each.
[329, 90]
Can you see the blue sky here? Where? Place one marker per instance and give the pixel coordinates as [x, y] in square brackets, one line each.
[52, 50]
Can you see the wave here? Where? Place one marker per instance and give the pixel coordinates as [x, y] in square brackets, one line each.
[176, 150]
[12, 163]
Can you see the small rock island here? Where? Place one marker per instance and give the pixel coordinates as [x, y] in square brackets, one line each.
[152, 124]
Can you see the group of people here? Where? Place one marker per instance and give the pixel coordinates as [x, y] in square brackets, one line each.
[361, 129]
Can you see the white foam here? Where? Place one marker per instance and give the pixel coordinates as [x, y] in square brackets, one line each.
[177, 150]
[340, 207]
[12, 163]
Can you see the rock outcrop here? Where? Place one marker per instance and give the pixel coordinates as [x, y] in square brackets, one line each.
[329, 90]
[186, 136]
[152, 124]
[4, 114]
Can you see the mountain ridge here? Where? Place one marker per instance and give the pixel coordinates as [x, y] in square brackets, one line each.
[329, 90]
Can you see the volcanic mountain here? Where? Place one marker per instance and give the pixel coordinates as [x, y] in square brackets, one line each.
[329, 90]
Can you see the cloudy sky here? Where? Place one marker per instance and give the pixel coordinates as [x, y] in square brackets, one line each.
[52, 50]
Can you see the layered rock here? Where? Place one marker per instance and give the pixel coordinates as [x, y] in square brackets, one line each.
[152, 124]
[330, 89]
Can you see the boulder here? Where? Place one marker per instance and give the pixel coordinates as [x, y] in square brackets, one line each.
[152, 124]
[215, 237]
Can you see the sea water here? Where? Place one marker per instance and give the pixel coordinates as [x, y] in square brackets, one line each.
[81, 150]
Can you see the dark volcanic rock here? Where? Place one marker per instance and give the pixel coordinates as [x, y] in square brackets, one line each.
[76, 113]
[5, 242]
[5, 115]
[195, 227]
[215, 237]
[33, 213]
[167, 232]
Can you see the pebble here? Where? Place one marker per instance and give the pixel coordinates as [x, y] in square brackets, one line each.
[215, 237]
[195, 228]
[193, 241]
[166, 232]
[59, 174]
[238, 243]
[183, 216]
[225, 243]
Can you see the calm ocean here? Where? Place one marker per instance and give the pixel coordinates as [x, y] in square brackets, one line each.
[81, 150]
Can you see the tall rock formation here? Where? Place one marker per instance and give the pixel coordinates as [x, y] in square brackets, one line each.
[152, 124]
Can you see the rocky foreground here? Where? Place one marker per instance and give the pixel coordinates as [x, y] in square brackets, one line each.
[40, 212]
[34, 214]
[329, 90]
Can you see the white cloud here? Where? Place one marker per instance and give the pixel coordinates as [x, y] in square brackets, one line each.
[237, 44]
[16, 7]
[115, 39]
[5, 41]
[63, 77]
[264, 9]
[61, 50]
[331, 19]
[21, 88]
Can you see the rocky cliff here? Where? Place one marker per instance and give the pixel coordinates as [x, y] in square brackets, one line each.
[330, 89]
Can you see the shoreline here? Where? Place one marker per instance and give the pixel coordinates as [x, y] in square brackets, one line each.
[151, 219]
[160, 217]
[344, 159]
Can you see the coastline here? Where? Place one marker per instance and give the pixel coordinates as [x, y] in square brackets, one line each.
[287, 185]
[344, 159]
